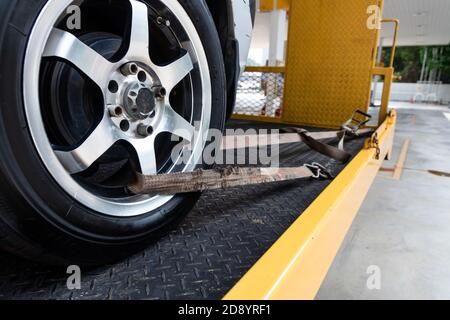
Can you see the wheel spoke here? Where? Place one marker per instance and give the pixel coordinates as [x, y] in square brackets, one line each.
[66, 46]
[174, 72]
[145, 150]
[177, 125]
[139, 35]
[81, 158]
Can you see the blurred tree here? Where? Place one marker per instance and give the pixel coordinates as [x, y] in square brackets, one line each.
[440, 63]
[408, 62]
[252, 63]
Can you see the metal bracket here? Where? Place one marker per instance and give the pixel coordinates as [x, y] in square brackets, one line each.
[354, 124]
[319, 171]
[375, 143]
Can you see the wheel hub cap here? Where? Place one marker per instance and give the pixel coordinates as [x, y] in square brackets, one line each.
[139, 101]
[142, 131]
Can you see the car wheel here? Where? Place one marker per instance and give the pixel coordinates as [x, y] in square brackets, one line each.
[84, 107]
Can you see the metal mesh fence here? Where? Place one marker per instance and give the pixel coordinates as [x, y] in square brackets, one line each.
[428, 91]
[260, 94]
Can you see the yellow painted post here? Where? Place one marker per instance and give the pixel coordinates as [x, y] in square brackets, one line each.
[268, 5]
[388, 74]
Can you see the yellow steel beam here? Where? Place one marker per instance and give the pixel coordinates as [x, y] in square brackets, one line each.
[269, 5]
[396, 23]
[295, 266]
[388, 75]
[266, 69]
[266, 119]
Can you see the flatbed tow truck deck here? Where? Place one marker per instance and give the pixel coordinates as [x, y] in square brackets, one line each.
[269, 241]
[220, 240]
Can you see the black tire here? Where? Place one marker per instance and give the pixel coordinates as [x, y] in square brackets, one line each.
[253, 10]
[34, 219]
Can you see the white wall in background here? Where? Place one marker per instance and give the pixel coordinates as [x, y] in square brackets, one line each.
[264, 32]
[407, 91]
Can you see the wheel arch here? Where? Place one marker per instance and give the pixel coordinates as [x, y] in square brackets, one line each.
[222, 13]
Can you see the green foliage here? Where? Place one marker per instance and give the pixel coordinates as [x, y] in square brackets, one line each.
[408, 62]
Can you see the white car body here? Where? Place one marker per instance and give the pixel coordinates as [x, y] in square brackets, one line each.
[243, 27]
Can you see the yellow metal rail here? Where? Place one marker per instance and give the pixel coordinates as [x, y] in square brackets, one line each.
[295, 266]
[387, 73]
[396, 23]
[265, 119]
[269, 5]
[266, 69]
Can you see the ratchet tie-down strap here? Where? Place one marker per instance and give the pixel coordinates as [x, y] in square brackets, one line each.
[222, 178]
[229, 177]
[350, 128]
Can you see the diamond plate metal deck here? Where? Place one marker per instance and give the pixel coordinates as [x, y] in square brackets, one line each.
[329, 66]
[212, 249]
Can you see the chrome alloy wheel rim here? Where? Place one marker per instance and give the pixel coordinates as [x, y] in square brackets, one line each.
[136, 109]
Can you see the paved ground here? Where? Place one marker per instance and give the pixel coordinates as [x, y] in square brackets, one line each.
[403, 228]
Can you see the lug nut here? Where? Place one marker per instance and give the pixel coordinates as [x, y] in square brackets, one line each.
[160, 92]
[129, 69]
[144, 130]
[115, 111]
